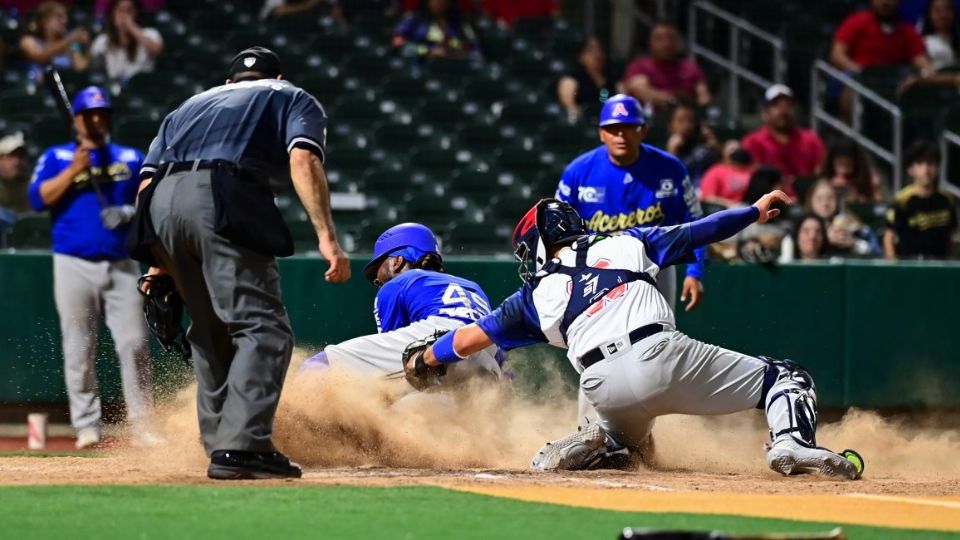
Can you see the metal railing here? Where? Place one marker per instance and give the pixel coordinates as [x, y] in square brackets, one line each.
[821, 72]
[731, 62]
[947, 138]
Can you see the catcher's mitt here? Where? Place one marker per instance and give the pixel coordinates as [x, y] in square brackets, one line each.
[163, 310]
[421, 376]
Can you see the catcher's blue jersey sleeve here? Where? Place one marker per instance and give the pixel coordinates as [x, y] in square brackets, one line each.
[515, 323]
[667, 246]
[654, 191]
[415, 295]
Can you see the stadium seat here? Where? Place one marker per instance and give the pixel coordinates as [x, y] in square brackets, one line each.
[524, 162]
[569, 140]
[466, 238]
[137, 131]
[387, 184]
[434, 210]
[483, 140]
[924, 108]
[529, 114]
[16, 104]
[438, 161]
[31, 232]
[353, 162]
[447, 114]
[49, 130]
[478, 185]
[400, 138]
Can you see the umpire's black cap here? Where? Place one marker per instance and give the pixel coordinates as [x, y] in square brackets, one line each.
[258, 59]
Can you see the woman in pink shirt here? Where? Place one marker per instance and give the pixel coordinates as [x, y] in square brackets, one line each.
[664, 77]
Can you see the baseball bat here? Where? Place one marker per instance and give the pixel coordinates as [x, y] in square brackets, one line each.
[54, 85]
[630, 533]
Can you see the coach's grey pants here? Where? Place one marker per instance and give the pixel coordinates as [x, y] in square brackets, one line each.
[381, 353]
[83, 291]
[669, 373]
[240, 334]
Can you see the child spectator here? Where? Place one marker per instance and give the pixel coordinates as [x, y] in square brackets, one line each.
[665, 78]
[726, 182]
[923, 218]
[436, 31]
[125, 48]
[691, 141]
[849, 171]
[846, 235]
[48, 42]
[940, 34]
[589, 83]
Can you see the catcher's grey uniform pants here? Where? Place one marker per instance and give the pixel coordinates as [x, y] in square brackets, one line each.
[667, 285]
[83, 290]
[669, 373]
[381, 353]
[239, 333]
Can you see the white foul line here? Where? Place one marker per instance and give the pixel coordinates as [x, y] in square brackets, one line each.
[908, 500]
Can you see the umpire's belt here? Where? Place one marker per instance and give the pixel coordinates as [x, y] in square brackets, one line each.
[598, 354]
[174, 167]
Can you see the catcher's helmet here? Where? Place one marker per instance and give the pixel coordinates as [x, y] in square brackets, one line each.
[549, 223]
[400, 236]
[91, 97]
[622, 109]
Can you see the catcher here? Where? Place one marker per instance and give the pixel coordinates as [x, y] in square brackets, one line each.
[596, 296]
[416, 300]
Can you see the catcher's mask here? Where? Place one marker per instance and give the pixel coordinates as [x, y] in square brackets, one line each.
[549, 223]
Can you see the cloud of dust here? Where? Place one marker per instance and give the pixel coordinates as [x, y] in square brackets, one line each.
[341, 419]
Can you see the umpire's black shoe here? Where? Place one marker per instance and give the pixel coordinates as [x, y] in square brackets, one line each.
[241, 465]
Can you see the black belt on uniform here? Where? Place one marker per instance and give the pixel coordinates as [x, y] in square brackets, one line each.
[174, 167]
[596, 355]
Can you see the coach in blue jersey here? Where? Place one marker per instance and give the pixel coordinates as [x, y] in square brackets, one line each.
[625, 183]
[89, 188]
[208, 217]
[416, 298]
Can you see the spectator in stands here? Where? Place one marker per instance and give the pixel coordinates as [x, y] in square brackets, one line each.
[780, 142]
[589, 83]
[665, 78]
[878, 36]
[436, 31]
[14, 178]
[849, 171]
[763, 177]
[691, 141]
[726, 182]
[941, 35]
[125, 48]
[923, 219]
[508, 11]
[809, 238]
[286, 8]
[846, 234]
[48, 42]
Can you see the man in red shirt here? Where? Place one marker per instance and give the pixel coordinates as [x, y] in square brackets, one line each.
[664, 78]
[508, 11]
[878, 36]
[780, 142]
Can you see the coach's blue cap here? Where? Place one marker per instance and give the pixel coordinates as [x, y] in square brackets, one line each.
[400, 236]
[91, 97]
[622, 109]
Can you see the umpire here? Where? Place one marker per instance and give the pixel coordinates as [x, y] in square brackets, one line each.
[207, 218]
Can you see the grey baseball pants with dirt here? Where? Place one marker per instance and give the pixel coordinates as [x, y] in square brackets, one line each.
[84, 291]
[671, 373]
[240, 334]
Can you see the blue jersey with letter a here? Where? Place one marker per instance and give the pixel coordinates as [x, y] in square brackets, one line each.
[415, 295]
[653, 191]
[77, 229]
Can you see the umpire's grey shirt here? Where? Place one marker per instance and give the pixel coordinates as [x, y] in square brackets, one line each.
[254, 124]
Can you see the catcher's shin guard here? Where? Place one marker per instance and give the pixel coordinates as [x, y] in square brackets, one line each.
[790, 402]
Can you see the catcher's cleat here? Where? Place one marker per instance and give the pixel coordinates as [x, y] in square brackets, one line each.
[580, 451]
[787, 457]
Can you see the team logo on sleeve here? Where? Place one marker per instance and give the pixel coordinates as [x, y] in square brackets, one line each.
[563, 189]
[667, 188]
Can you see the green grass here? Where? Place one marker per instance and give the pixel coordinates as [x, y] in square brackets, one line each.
[286, 513]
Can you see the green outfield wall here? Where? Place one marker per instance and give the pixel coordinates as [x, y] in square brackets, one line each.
[874, 334]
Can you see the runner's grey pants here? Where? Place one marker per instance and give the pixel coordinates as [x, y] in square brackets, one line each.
[240, 334]
[83, 291]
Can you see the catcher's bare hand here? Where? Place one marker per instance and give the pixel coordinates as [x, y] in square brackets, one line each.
[766, 203]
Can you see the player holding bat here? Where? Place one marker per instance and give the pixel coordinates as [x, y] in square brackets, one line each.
[89, 186]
